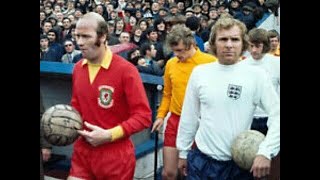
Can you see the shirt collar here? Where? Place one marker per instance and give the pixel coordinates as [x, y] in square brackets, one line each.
[106, 59]
[196, 54]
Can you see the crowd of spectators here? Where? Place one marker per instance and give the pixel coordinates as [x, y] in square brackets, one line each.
[144, 24]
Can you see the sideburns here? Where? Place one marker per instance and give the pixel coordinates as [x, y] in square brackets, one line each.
[97, 43]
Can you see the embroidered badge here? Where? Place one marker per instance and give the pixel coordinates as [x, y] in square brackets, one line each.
[234, 91]
[105, 96]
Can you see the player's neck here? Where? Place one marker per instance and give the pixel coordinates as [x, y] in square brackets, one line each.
[100, 55]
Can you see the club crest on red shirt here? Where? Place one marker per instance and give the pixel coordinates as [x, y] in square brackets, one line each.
[105, 96]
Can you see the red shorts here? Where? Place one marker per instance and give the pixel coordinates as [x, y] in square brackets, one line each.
[170, 133]
[110, 161]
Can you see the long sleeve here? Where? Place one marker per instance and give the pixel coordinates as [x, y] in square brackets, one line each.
[167, 93]
[176, 77]
[139, 109]
[115, 99]
[74, 99]
[189, 122]
[270, 102]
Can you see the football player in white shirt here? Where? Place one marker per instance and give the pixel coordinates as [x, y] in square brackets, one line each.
[220, 101]
[259, 46]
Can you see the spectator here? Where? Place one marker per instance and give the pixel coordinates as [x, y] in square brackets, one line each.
[47, 25]
[205, 6]
[73, 36]
[109, 8]
[148, 52]
[112, 39]
[70, 8]
[132, 53]
[77, 15]
[139, 15]
[47, 53]
[54, 43]
[143, 24]
[197, 10]
[222, 9]
[155, 10]
[160, 26]
[148, 68]
[234, 7]
[71, 52]
[189, 12]
[100, 9]
[48, 10]
[136, 35]
[56, 9]
[119, 27]
[163, 12]
[213, 15]
[132, 23]
[66, 32]
[72, 19]
[152, 38]
[193, 23]
[59, 17]
[113, 15]
[83, 6]
[42, 16]
[246, 16]
[61, 3]
[181, 7]
[125, 39]
[174, 11]
[55, 26]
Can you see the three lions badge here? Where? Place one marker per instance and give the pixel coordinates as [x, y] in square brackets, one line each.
[234, 91]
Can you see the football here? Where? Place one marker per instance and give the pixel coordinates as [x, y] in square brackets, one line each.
[60, 123]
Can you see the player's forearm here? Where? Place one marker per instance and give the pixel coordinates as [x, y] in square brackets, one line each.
[116, 133]
[271, 103]
[136, 123]
[164, 107]
[271, 144]
[189, 123]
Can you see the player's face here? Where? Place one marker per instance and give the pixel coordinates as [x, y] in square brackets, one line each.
[87, 39]
[181, 51]
[274, 42]
[256, 50]
[229, 45]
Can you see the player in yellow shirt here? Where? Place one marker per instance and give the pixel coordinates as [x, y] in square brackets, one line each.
[176, 75]
[274, 38]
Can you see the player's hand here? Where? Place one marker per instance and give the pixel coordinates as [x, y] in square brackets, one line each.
[261, 166]
[97, 136]
[46, 154]
[157, 124]
[182, 165]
